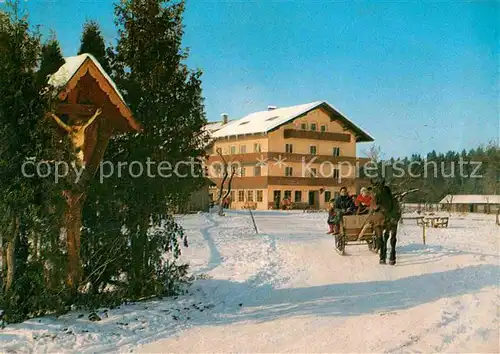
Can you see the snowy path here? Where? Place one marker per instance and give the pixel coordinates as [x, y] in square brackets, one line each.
[287, 290]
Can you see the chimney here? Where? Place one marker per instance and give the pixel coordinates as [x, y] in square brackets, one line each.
[271, 108]
[224, 118]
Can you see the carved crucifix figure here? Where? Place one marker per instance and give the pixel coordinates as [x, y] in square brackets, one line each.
[77, 132]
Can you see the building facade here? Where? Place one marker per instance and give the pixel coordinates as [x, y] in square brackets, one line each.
[471, 203]
[300, 155]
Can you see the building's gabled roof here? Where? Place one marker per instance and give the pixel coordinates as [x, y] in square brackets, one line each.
[266, 121]
[471, 199]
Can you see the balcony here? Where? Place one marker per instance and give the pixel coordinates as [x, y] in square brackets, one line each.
[255, 157]
[315, 135]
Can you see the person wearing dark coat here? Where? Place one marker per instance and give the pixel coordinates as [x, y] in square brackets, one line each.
[343, 205]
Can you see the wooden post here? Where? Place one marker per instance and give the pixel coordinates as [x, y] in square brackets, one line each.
[423, 232]
[253, 220]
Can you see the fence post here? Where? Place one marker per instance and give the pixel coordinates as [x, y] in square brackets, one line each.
[423, 232]
[253, 220]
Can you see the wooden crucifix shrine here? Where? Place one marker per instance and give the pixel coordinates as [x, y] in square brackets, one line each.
[90, 109]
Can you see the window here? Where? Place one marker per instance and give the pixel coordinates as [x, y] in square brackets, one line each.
[256, 171]
[242, 171]
[336, 173]
[288, 195]
[298, 196]
[273, 118]
[243, 149]
[328, 196]
[260, 196]
[233, 149]
[289, 148]
[232, 196]
[312, 149]
[303, 126]
[323, 128]
[313, 126]
[243, 123]
[256, 147]
[249, 196]
[241, 196]
[288, 171]
[336, 151]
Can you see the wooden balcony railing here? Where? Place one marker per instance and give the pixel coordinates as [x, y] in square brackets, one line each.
[254, 157]
[308, 134]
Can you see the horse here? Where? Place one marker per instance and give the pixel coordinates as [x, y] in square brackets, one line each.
[385, 217]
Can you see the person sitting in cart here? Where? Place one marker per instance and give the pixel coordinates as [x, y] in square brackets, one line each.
[343, 205]
[363, 201]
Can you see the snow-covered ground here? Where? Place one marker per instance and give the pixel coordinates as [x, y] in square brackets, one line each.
[287, 290]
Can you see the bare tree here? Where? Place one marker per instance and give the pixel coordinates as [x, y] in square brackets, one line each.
[449, 203]
[374, 153]
[401, 195]
[225, 170]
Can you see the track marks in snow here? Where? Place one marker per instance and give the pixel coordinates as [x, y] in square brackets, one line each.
[215, 257]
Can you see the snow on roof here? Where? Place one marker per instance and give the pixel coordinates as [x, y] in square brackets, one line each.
[213, 126]
[264, 121]
[471, 199]
[261, 122]
[62, 76]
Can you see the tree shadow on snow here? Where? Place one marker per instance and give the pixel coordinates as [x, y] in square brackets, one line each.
[266, 303]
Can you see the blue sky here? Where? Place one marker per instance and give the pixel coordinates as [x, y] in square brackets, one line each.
[417, 76]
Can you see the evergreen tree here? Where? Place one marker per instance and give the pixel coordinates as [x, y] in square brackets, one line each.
[51, 61]
[165, 97]
[92, 42]
[31, 206]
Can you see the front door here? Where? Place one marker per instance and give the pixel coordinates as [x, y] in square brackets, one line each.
[277, 199]
[312, 199]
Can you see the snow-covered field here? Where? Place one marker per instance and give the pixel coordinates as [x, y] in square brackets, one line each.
[287, 290]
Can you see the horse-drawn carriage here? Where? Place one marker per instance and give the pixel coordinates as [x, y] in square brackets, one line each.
[355, 230]
[376, 228]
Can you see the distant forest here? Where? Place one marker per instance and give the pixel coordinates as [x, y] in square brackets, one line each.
[435, 175]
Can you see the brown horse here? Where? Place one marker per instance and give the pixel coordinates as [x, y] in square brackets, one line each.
[385, 216]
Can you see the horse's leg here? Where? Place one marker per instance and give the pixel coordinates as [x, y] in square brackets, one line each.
[378, 236]
[394, 231]
[383, 245]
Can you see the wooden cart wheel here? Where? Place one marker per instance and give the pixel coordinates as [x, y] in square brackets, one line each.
[340, 240]
[340, 244]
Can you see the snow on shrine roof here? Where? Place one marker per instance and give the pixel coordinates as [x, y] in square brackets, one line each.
[471, 199]
[265, 121]
[62, 76]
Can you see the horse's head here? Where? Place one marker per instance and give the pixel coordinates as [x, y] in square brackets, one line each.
[378, 185]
